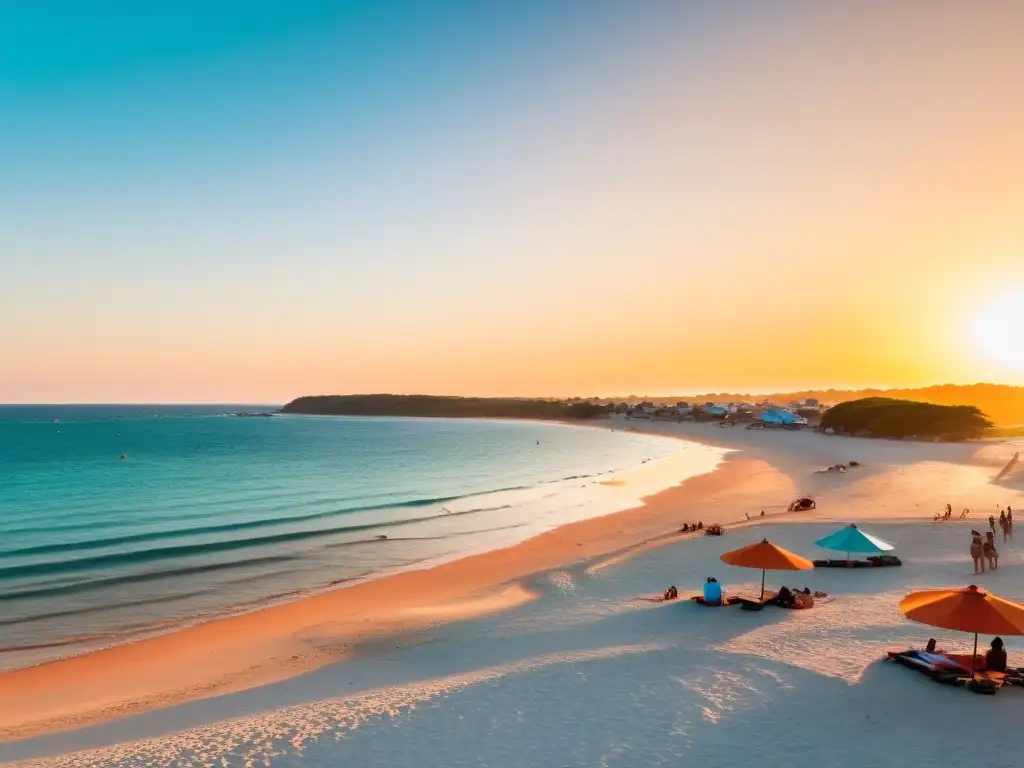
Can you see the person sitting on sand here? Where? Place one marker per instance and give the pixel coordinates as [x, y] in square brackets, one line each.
[685, 528]
[806, 592]
[989, 551]
[977, 552]
[762, 513]
[965, 513]
[700, 525]
[794, 598]
[671, 593]
[995, 658]
[785, 597]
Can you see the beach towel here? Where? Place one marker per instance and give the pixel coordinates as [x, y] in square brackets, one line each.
[755, 603]
[699, 600]
[951, 670]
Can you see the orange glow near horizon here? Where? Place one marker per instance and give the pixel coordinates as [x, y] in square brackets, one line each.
[788, 198]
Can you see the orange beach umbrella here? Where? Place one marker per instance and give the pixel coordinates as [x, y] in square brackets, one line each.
[767, 557]
[969, 609]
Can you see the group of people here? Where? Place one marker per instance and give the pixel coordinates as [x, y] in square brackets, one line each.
[984, 551]
[786, 598]
[692, 527]
[1005, 522]
[948, 514]
[995, 657]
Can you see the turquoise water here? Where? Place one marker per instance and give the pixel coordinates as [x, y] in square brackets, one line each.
[209, 513]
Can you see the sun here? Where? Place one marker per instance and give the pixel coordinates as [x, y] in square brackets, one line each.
[999, 331]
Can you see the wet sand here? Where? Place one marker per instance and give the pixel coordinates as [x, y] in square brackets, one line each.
[278, 642]
[898, 480]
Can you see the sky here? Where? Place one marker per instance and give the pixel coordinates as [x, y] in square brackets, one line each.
[227, 201]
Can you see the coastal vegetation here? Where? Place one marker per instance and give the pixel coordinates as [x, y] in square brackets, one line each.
[436, 406]
[1002, 403]
[894, 418]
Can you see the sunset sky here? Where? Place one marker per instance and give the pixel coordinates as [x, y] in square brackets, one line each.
[251, 201]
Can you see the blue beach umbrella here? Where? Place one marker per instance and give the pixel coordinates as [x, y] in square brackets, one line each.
[853, 539]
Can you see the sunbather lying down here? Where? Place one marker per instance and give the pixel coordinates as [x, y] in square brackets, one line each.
[958, 669]
[797, 598]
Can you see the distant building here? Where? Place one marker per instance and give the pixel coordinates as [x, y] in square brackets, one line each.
[781, 417]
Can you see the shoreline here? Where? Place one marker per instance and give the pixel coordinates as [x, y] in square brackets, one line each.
[899, 481]
[276, 642]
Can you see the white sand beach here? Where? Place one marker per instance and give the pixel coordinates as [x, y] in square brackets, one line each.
[570, 666]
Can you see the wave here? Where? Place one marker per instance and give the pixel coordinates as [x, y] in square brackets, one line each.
[155, 554]
[137, 538]
[241, 525]
[283, 494]
[172, 573]
[89, 609]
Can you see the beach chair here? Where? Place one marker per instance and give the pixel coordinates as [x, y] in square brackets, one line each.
[753, 603]
[874, 561]
[954, 669]
[725, 601]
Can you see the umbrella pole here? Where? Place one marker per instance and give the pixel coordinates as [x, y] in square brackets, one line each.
[762, 584]
[974, 657]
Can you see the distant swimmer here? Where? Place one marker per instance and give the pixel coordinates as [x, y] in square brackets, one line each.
[538, 442]
[123, 457]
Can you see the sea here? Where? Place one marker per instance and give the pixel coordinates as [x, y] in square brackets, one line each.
[119, 522]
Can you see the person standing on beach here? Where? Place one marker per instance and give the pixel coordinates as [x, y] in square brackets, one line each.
[1002, 524]
[990, 552]
[977, 553]
[1009, 521]
[992, 523]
